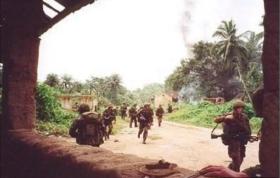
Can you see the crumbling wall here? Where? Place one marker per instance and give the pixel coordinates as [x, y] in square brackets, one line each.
[29, 155]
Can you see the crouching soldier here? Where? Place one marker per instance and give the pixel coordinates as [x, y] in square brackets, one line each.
[133, 116]
[159, 114]
[145, 118]
[87, 128]
[237, 132]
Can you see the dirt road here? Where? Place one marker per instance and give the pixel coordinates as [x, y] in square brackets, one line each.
[188, 146]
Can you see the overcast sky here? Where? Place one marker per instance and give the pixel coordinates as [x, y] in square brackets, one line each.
[142, 40]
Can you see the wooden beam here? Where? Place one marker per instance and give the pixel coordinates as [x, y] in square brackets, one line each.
[52, 8]
[63, 14]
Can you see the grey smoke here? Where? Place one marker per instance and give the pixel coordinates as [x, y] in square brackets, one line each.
[190, 94]
[186, 21]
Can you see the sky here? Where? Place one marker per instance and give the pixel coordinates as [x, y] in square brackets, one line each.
[141, 40]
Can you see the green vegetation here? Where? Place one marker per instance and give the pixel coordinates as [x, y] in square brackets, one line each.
[203, 114]
[47, 106]
[226, 68]
[54, 120]
[51, 118]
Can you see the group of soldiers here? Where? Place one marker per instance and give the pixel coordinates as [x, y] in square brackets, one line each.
[90, 128]
[143, 115]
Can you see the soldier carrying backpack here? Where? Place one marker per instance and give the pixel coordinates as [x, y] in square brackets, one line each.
[87, 128]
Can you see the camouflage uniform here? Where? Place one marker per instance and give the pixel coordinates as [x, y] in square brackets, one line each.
[236, 134]
[108, 117]
[133, 116]
[123, 111]
[145, 118]
[87, 128]
[159, 114]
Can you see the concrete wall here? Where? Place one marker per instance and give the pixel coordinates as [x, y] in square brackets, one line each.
[69, 101]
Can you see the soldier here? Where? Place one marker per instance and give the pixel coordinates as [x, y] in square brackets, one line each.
[87, 128]
[237, 131]
[108, 117]
[159, 114]
[123, 111]
[170, 109]
[145, 118]
[115, 111]
[133, 116]
[256, 171]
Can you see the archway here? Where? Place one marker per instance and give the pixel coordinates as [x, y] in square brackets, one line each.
[23, 22]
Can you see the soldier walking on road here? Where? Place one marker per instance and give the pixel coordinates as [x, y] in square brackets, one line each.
[237, 132]
[145, 118]
[133, 116]
[123, 111]
[108, 117]
[170, 109]
[159, 114]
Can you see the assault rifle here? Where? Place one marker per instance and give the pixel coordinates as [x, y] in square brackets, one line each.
[250, 138]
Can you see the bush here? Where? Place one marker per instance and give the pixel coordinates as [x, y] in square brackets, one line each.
[51, 117]
[203, 114]
[47, 106]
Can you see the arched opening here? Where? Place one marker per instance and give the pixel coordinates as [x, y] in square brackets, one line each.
[20, 72]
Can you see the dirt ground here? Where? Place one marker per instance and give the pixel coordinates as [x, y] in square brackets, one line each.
[189, 146]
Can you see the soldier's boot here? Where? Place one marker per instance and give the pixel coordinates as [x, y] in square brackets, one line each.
[145, 135]
[230, 166]
[235, 164]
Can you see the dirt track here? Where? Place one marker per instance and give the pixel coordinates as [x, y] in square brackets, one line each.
[188, 146]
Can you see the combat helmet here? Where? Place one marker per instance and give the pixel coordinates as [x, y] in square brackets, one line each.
[83, 108]
[238, 104]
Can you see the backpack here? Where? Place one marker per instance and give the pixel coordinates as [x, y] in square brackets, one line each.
[92, 132]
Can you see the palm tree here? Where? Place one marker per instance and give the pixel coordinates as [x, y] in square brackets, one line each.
[231, 45]
[254, 44]
[232, 49]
